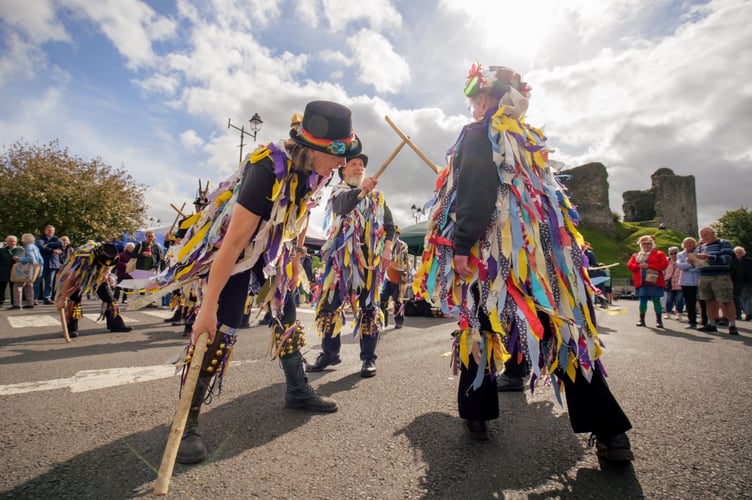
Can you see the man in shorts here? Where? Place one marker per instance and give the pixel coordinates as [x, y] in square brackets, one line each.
[716, 287]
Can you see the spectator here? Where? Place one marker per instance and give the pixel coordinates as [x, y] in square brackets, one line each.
[51, 249]
[674, 297]
[148, 253]
[121, 272]
[741, 275]
[31, 254]
[647, 268]
[715, 285]
[8, 256]
[688, 279]
[67, 250]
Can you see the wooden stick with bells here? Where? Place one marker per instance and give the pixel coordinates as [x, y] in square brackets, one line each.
[181, 414]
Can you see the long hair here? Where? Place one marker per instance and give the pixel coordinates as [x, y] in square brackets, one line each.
[299, 155]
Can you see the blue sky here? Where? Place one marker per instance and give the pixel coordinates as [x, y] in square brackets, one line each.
[634, 84]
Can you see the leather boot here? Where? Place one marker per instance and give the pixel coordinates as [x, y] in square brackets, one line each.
[642, 320]
[299, 393]
[192, 447]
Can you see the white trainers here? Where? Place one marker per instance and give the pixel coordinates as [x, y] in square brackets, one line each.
[677, 317]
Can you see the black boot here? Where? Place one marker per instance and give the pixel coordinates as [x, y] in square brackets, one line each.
[642, 320]
[192, 447]
[658, 320]
[299, 393]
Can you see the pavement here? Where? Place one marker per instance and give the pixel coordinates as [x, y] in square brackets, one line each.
[90, 419]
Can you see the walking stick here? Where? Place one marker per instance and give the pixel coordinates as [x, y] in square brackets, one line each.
[410, 143]
[384, 165]
[181, 416]
[64, 321]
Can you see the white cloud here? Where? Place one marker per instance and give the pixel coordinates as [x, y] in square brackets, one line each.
[379, 14]
[191, 140]
[379, 65]
[166, 84]
[131, 25]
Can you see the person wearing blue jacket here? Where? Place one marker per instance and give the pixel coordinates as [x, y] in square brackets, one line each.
[51, 249]
[715, 285]
[688, 279]
[26, 289]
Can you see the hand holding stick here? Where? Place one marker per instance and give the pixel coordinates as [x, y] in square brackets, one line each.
[181, 416]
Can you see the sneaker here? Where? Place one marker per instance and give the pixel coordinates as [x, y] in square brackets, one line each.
[708, 328]
[733, 330]
[612, 447]
[477, 429]
[676, 317]
[509, 383]
[665, 316]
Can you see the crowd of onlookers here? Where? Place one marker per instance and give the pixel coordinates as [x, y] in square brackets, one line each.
[50, 253]
[711, 274]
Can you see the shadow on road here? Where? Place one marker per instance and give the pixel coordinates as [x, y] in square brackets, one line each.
[529, 450]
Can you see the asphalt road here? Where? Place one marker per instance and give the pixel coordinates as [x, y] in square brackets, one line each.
[90, 419]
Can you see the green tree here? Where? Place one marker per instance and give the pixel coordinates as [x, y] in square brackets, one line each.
[83, 199]
[736, 226]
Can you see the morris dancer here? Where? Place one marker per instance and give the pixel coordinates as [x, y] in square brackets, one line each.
[86, 269]
[269, 215]
[359, 244]
[503, 251]
[397, 276]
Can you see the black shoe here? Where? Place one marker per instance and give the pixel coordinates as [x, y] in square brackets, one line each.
[192, 449]
[368, 369]
[509, 383]
[659, 324]
[708, 328]
[14, 307]
[748, 317]
[72, 335]
[640, 323]
[123, 329]
[733, 330]
[477, 429]
[322, 362]
[690, 327]
[48, 302]
[612, 447]
[722, 322]
[397, 326]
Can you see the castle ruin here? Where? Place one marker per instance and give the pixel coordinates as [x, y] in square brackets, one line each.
[671, 201]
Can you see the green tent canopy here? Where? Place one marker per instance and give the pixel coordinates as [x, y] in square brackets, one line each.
[413, 236]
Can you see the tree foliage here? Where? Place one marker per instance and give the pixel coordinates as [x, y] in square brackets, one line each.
[736, 226]
[83, 199]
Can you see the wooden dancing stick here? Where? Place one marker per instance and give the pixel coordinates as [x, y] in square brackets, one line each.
[384, 165]
[64, 321]
[410, 143]
[181, 416]
[177, 217]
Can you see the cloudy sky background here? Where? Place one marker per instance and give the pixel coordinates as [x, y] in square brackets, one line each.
[634, 84]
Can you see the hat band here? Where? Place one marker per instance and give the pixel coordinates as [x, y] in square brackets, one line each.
[333, 146]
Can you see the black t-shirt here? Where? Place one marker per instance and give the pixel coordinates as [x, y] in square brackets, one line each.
[257, 184]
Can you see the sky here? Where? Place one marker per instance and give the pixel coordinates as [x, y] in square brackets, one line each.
[149, 86]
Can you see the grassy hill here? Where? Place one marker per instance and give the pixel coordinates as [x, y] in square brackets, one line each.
[610, 250]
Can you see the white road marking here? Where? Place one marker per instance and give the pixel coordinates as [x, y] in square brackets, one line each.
[90, 380]
[33, 321]
[93, 317]
[159, 313]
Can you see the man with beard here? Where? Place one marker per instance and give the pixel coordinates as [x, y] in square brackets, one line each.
[359, 242]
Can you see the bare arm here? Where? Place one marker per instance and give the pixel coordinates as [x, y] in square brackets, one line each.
[242, 225]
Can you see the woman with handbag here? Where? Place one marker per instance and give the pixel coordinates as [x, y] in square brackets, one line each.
[647, 268]
[32, 261]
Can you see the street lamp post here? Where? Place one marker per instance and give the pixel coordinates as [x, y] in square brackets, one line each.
[417, 213]
[256, 123]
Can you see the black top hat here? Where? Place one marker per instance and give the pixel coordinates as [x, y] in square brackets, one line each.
[327, 127]
[106, 254]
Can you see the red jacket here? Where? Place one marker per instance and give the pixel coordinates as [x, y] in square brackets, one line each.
[656, 260]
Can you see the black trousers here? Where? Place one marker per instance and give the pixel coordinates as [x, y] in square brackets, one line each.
[690, 302]
[591, 406]
[392, 290]
[331, 344]
[233, 298]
